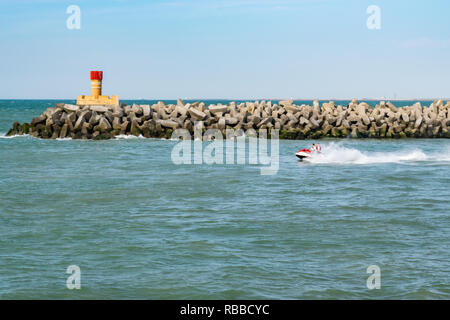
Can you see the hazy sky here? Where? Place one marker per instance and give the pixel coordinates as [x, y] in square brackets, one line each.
[226, 49]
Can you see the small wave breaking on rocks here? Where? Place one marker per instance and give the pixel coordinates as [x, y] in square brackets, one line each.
[5, 136]
[128, 137]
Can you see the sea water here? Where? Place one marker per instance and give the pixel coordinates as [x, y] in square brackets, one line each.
[139, 226]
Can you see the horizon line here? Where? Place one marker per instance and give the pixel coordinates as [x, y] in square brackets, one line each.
[256, 99]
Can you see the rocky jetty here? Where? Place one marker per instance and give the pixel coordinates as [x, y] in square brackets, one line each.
[356, 120]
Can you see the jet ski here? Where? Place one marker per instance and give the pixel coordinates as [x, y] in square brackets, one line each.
[303, 154]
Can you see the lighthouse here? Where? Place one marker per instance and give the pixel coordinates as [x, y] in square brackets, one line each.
[96, 98]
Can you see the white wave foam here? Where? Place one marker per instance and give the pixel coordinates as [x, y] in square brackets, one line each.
[3, 136]
[128, 137]
[443, 155]
[338, 154]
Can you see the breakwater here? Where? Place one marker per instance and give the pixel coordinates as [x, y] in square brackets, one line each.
[355, 120]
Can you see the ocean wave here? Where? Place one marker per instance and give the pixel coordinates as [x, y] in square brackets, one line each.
[128, 137]
[3, 136]
[443, 156]
[338, 154]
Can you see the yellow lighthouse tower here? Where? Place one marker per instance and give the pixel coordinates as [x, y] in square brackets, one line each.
[96, 98]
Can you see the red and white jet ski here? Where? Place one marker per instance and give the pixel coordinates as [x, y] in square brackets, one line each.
[303, 154]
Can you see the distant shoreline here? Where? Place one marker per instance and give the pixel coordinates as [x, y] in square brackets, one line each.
[239, 99]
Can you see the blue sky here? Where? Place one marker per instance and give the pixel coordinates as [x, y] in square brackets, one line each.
[236, 49]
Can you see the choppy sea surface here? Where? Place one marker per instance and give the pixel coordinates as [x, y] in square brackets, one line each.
[141, 227]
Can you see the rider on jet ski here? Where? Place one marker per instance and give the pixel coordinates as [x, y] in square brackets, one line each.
[317, 148]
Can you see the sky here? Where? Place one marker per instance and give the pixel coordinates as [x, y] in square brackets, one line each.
[235, 49]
